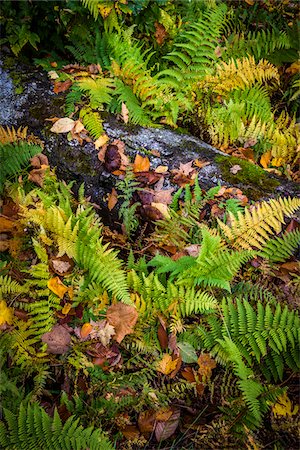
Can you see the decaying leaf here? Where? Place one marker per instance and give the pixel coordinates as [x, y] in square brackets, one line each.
[161, 169]
[103, 331]
[187, 352]
[146, 421]
[62, 265]
[235, 169]
[6, 313]
[162, 334]
[63, 125]
[141, 164]
[160, 33]
[165, 429]
[61, 86]
[58, 340]
[123, 318]
[85, 330]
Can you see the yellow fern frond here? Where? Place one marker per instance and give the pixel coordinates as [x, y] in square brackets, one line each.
[284, 135]
[11, 135]
[240, 73]
[252, 229]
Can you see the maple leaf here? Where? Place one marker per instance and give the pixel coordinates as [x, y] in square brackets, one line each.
[123, 318]
[103, 331]
[6, 313]
[58, 340]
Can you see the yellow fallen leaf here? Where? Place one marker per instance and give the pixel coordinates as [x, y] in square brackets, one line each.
[85, 330]
[53, 75]
[265, 159]
[78, 126]
[141, 164]
[6, 313]
[55, 285]
[102, 140]
[284, 406]
[161, 169]
[66, 308]
[166, 365]
[63, 125]
[162, 208]
[112, 199]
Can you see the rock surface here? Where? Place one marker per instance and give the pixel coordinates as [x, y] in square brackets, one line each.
[37, 102]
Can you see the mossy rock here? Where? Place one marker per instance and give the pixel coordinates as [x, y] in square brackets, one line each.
[254, 181]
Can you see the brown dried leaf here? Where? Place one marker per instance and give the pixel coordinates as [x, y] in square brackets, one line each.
[163, 196]
[163, 430]
[160, 33]
[112, 199]
[146, 421]
[123, 318]
[58, 340]
[6, 224]
[201, 164]
[206, 365]
[62, 86]
[62, 265]
[37, 175]
[162, 208]
[162, 335]
[130, 432]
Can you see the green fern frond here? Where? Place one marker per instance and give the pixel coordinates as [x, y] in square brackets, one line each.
[33, 428]
[92, 122]
[10, 287]
[280, 249]
[15, 156]
[92, 6]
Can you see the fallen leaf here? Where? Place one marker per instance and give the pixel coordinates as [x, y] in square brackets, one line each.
[141, 164]
[188, 374]
[58, 340]
[37, 175]
[172, 344]
[125, 113]
[166, 365]
[85, 330]
[293, 68]
[123, 318]
[103, 331]
[187, 352]
[265, 159]
[164, 414]
[163, 430]
[62, 265]
[161, 169]
[201, 164]
[146, 421]
[112, 199]
[162, 334]
[55, 285]
[102, 140]
[53, 75]
[6, 313]
[160, 33]
[66, 309]
[250, 142]
[162, 208]
[293, 266]
[206, 365]
[149, 212]
[39, 160]
[193, 250]
[112, 158]
[6, 224]
[235, 169]
[63, 125]
[62, 86]
[53, 64]
[130, 432]
[249, 2]
[164, 196]
[186, 168]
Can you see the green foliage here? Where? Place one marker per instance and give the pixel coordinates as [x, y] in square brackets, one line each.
[13, 157]
[280, 249]
[33, 428]
[267, 340]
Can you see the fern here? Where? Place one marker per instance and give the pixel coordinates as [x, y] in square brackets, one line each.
[92, 122]
[267, 340]
[92, 6]
[13, 157]
[280, 249]
[251, 229]
[10, 287]
[99, 90]
[33, 428]
[194, 49]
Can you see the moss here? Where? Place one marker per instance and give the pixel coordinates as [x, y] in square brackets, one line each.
[254, 180]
